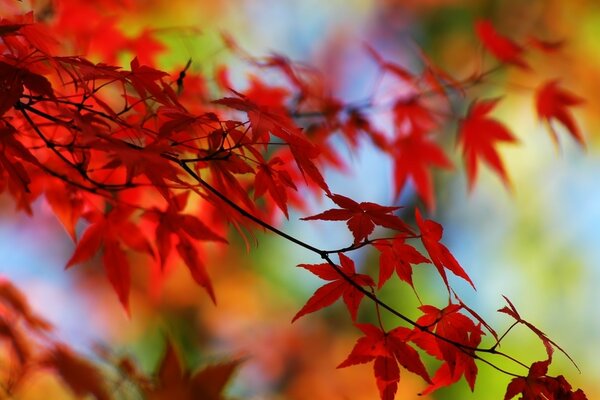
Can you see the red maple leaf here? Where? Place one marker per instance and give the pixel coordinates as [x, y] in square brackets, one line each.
[431, 234]
[450, 324]
[387, 349]
[173, 222]
[112, 231]
[273, 178]
[478, 136]
[553, 102]
[361, 218]
[500, 46]
[338, 287]
[538, 385]
[397, 255]
[414, 155]
[548, 343]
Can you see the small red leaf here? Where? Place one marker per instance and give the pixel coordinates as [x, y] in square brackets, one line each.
[500, 46]
[552, 103]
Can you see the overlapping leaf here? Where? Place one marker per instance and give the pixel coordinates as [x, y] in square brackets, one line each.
[454, 330]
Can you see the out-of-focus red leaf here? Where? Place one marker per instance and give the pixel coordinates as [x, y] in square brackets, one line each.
[117, 271]
[176, 383]
[10, 295]
[414, 155]
[82, 377]
[478, 136]
[552, 103]
[500, 46]
[189, 254]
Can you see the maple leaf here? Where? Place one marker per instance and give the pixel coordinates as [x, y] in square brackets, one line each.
[173, 221]
[66, 204]
[448, 323]
[80, 375]
[272, 178]
[538, 385]
[511, 310]
[431, 234]
[11, 151]
[413, 112]
[478, 135]
[190, 257]
[146, 81]
[11, 296]
[361, 218]
[413, 156]
[552, 103]
[266, 96]
[338, 287]
[387, 350]
[110, 231]
[500, 46]
[175, 383]
[397, 255]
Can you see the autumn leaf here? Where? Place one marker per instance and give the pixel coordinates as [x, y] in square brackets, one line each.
[440, 256]
[111, 232]
[397, 255]
[549, 344]
[450, 325]
[478, 136]
[361, 218]
[81, 376]
[176, 383]
[271, 177]
[414, 155]
[338, 287]
[552, 103]
[189, 254]
[500, 46]
[12, 297]
[537, 384]
[387, 350]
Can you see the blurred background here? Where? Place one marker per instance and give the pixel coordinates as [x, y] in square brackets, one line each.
[538, 244]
